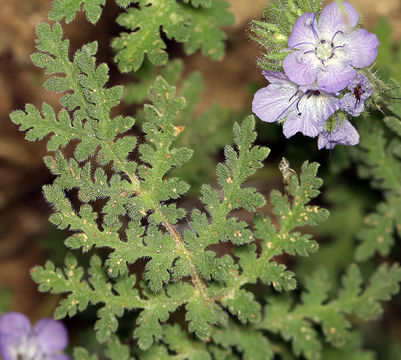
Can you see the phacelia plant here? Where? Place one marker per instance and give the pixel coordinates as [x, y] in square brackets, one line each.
[193, 300]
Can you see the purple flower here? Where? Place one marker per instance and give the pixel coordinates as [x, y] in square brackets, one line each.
[303, 110]
[328, 51]
[343, 134]
[44, 342]
[360, 90]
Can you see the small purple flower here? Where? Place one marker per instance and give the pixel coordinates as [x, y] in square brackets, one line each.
[360, 90]
[44, 342]
[344, 134]
[328, 51]
[303, 110]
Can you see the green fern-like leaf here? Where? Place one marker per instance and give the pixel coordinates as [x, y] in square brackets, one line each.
[145, 24]
[85, 96]
[137, 91]
[352, 350]
[250, 343]
[157, 311]
[291, 215]
[196, 27]
[380, 162]
[83, 354]
[205, 141]
[67, 10]
[81, 293]
[294, 323]
[378, 157]
[378, 233]
[115, 350]
[127, 191]
[204, 29]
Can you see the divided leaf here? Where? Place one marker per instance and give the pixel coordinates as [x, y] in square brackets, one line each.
[292, 214]
[296, 324]
[145, 23]
[250, 343]
[379, 158]
[378, 234]
[85, 96]
[67, 9]
[380, 162]
[97, 289]
[198, 27]
[157, 310]
[231, 175]
[205, 133]
[204, 28]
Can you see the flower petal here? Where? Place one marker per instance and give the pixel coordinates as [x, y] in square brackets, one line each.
[275, 77]
[320, 107]
[299, 68]
[296, 122]
[14, 325]
[302, 32]
[351, 105]
[362, 82]
[335, 77]
[51, 335]
[335, 18]
[314, 110]
[361, 48]
[13, 328]
[5, 349]
[272, 103]
[345, 134]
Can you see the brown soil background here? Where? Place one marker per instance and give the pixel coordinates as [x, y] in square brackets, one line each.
[23, 212]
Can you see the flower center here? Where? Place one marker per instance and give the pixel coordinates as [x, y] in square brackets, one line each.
[324, 51]
[26, 349]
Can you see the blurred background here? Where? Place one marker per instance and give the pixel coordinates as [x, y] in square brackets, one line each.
[26, 238]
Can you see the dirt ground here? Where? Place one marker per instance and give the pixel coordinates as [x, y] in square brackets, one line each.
[23, 212]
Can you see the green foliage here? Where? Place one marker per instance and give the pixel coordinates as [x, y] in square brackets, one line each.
[113, 349]
[388, 56]
[85, 96]
[5, 299]
[380, 162]
[83, 354]
[378, 156]
[197, 27]
[62, 9]
[250, 343]
[67, 9]
[347, 205]
[296, 323]
[137, 92]
[378, 233]
[205, 140]
[194, 300]
[351, 350]
[292, 215]
[138, 191]
[204, 29]
[272, 32]
[216, 283]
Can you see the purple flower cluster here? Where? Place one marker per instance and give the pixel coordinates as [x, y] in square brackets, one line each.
[18, 341]
[322, 66]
